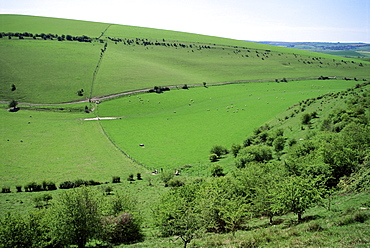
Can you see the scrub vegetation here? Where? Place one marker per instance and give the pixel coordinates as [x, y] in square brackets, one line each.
[127, 136]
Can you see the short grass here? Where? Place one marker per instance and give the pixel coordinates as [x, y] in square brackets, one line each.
[181, 126]
[46, 71]
[53, 71]
[57, 146]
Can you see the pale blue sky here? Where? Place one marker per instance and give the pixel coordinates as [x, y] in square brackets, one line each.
[258, 20]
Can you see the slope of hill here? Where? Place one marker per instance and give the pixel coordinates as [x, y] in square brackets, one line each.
[58, 57]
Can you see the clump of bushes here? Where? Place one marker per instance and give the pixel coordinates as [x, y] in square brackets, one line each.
[175, 182]
[77, 183]
[5, 190]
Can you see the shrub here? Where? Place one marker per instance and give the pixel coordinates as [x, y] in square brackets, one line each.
[175, 182]
[235, 148]
[5, 190]
[48, 185]
[217, 171]
[219, 150]
[108, 190]
[116, 179]
[123, 229]
[306, 118]
[131, 178]
[33, 187]
[166, 177]
[13, 104]
[66, 185]
[138, 176]
[19, 188]
[213, 157]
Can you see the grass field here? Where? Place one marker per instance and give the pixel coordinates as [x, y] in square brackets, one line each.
[51, 71]
[57, 147]
[178, 128]
[181, 126]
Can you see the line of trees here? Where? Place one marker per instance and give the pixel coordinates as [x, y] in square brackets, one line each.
[82, 38]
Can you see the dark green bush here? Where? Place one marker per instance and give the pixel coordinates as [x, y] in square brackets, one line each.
[122, 229]
[66, 185]
[19, 188]
[5, 190]
[116, 179]
[213, 157]
[131, 178]
[219, 150]
[217, 171]
[138, 176]
[175, 182]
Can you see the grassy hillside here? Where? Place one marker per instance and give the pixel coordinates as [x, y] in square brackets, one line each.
[43, 145]
[178, 128]
[194, 120]
[51, 71]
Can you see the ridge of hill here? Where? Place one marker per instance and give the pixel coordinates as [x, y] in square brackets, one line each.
[52, 60]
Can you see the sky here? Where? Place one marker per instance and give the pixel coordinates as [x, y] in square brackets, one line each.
[255, 20]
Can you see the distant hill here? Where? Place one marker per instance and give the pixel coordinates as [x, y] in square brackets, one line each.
[349, 50]
[51, 60]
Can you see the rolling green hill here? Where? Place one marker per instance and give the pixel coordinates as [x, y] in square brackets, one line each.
[121, 58]
[52, 67]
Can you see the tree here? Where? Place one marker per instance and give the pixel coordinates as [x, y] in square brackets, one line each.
[13, 87]
[75, 217]
[177, 214]
[306, 118]
[13, 104]
[296, 194]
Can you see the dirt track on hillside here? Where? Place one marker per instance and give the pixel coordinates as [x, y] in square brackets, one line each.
[100, 98]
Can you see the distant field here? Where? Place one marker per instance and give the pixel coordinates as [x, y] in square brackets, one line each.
[51, 71]
[181, 126]
[57, 147]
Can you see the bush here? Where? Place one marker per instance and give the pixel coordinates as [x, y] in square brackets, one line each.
[5, 190]
[33, 187]
[235, 148]
[19, 188]
[116, 179]
[175, 182]
[306, 118]
[131, 178]
[166, 177]
[213, 157]
[217, 171]
[219, 150]
[66, 185]
[138, 176]
[123, 229]
[48, 185]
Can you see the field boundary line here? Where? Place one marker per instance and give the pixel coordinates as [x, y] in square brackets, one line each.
[139, 91]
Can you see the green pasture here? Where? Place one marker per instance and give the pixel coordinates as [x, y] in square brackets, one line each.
[181, 126]
[46, 71]
[44, 145]
[51, 71]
